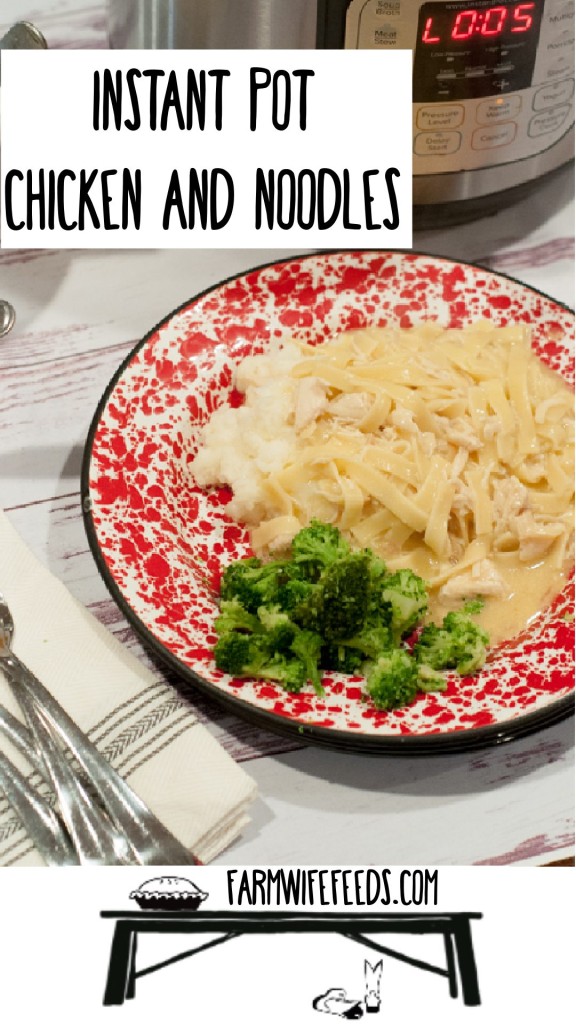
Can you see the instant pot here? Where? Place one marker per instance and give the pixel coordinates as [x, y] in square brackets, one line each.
[493, 84]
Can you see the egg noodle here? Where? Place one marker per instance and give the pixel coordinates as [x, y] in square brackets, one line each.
[446, 450]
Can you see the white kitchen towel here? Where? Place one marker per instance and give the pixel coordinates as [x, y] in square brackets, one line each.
[142, 725]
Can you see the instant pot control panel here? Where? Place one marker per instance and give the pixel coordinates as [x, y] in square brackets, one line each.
[493, 82]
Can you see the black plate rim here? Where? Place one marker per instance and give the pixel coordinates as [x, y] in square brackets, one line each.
[339, 740]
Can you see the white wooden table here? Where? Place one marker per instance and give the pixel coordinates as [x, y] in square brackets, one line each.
[78, 314]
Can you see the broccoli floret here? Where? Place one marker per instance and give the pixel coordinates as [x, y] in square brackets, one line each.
[239, 654]
[430, 680]
[329, 607]
[316, 547]
[474, 606]
[377, 566]
[307, 645]
[337, 606]
[279, 629]
[293, 593]
[392, 681]
[341, 658]
[470, 640]
[266, 646]
[250, 657]
[351, 655]
[252, 582]
[371, 641]
[458, 643]
[407, 596]
[233, 616]
[435, 647]
[289, 672]
[379, 610]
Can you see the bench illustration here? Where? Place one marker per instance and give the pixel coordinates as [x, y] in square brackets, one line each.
[365, 929]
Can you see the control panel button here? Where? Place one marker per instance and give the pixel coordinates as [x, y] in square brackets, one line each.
[440, 117]
[548, 121]
[561, 42]
[557, 43]
[437, 143]
[501, 108]
[386, 35]
[553, 94]
[561, 67]
[560, 12]
[494, 136]
[388, 8]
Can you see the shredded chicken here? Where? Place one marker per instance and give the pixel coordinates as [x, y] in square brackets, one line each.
[535, 538]
[482, 580]
[534, 469]
[463, 500]
[510, 499]
[492, 426]
[458, 464]
[461, 433]
[309, 401]
[351, 407]
[403, 419]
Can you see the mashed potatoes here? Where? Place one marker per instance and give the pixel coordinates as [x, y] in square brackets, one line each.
[244, 447]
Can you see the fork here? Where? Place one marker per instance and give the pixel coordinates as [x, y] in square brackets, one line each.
[128, 831]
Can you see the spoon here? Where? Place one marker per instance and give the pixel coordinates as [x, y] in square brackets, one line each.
[7, 317]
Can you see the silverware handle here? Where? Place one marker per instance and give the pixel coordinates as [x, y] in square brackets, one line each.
[67, 790]
[151, 841]
[39, 820]
[21, 738]
[91, 831]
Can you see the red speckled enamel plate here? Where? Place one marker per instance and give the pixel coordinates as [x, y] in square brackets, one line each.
[157, 537]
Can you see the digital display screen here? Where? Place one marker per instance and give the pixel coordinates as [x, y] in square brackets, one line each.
[466, 50]
[448, 26]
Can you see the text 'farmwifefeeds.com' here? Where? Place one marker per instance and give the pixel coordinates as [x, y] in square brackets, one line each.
[322, 887]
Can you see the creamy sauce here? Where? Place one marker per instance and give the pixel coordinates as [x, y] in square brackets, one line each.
[531, 590]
